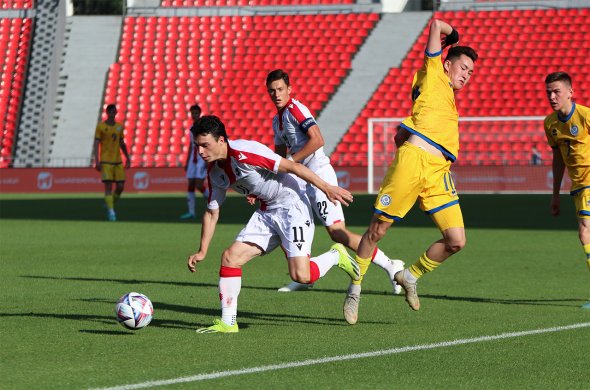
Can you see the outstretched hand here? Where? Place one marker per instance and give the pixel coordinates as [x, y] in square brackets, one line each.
[338, 194]
[194, 259]
[251, 199]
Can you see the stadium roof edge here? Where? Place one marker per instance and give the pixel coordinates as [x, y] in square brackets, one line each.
[250, 11]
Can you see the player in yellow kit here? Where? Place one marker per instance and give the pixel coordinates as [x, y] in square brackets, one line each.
[109, 135]
[428, 143]
[568, 133]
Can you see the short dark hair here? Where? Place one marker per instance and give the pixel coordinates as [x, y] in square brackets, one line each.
[111, 107]
[195, 107]
[458, 51]
[277, 74]
[559, 76]
[209, 124]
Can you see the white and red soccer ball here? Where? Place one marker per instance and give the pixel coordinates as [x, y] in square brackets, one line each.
[134, 311]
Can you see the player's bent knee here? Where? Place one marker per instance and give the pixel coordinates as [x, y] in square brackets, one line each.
[300, 276]
[231, 258]
[455, 245]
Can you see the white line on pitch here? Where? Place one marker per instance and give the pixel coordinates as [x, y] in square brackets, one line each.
[312, 362]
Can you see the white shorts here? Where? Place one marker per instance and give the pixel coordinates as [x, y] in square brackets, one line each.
[328, 212]
[292, 228]
[196, 170]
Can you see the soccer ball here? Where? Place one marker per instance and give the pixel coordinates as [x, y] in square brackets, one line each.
[134, 311]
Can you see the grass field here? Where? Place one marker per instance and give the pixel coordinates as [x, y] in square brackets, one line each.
[63, 266]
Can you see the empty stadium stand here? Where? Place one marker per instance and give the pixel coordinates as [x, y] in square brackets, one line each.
[244, 3]
[15, 37]
[517, 49]
[166, 64]
[16, 4]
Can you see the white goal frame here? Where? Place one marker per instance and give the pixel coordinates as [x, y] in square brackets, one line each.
[396, 121]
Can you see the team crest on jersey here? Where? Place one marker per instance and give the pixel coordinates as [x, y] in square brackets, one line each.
[385, 200]
[554, 132]
[574, 130]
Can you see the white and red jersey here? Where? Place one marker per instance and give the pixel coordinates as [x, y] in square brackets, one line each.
[252, 169]
[290, 127]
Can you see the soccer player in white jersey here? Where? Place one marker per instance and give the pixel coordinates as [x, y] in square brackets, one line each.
[196, 170]
[284, 217]
[297, 133]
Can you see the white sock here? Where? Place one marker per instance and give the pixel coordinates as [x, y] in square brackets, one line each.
[354, 289]
[409, 276]
[381, 260]
[190, 200]
[325, 261]
[229, 289]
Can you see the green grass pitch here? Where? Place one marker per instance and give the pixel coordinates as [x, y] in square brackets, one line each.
[63, 266]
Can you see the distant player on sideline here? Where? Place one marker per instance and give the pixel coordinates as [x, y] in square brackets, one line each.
[568, 133]
[284, 217]
[297, 133]
[196, 169]
[109, 135]
[428, 143]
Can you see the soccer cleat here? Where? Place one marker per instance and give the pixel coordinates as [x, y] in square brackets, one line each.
[396, 266]
[346, 262]
[410, 288]
[187, 216]
[294, 286]
[220, 327]
[111, 216]
[351, 308]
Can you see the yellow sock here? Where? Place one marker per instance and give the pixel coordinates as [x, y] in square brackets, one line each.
[108, 199]
[116, 198]
[364, 266]
[587, 250]
[423, 265]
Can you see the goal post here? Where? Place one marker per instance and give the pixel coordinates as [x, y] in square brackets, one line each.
[498, 149]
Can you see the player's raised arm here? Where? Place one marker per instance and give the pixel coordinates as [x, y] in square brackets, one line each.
[210, 218]
[435, 42]
[334, 193]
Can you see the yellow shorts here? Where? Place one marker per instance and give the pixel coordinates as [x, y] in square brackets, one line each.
[112, 172]
[414, 175]
[582, 202]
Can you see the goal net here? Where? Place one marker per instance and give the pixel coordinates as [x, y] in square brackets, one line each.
[497, 154]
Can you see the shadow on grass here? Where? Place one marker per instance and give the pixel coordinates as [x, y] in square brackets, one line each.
[512, 301]
[479, 211]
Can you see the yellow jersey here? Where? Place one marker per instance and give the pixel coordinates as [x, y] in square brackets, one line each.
[434, 114]
[110, 138]
[572, 136]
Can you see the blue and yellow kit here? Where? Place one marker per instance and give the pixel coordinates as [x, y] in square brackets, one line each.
[571, 135]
